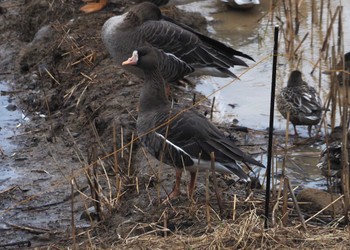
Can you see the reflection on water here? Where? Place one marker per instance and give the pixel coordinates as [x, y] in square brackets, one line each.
[301, 167]
[252, 33]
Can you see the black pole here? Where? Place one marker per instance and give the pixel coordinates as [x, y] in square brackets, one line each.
[272, 113]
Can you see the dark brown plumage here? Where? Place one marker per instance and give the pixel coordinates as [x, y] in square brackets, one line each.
[179, 138]
[344, 78]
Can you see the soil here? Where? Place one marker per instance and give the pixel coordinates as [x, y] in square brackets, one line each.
[79, 144]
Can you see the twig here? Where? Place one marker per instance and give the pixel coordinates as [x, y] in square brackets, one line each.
[30, 229]
[72, 214]
[130, 154]
[234, 207]
[18, 244]
[207, 209]
[301, 218]
[215, 181]
[285, 202]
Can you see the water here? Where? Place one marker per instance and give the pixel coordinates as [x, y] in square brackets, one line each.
[245, 31]
[252, 33]
[11, 119]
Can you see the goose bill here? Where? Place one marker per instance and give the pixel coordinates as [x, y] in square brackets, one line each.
[132, 60]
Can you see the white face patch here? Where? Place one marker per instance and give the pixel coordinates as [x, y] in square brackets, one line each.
[135, 56]
[133, 59]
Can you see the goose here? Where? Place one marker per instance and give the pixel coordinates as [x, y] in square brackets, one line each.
[182, 139]
[144, 24]
[91, 6]
[346, 68]
[301, 101]
[339, 68]
[332, 154]
[242, 4]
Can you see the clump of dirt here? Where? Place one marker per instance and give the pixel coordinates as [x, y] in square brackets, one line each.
[38, 13]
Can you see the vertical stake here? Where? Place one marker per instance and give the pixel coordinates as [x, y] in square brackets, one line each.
[212, 109]
[272, 112]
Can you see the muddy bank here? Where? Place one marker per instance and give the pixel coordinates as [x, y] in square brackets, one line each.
[79, 108]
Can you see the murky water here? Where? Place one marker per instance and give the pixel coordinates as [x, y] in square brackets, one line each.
[10, 120]
[252, 33]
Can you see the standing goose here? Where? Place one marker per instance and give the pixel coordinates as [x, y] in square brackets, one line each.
[301, 101]
[176, 137]
[144, 25]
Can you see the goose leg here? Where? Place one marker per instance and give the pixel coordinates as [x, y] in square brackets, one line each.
[295, 130]
[176, 190]
[168, 90]
[309, 130]
[192, 184]
[93, 7]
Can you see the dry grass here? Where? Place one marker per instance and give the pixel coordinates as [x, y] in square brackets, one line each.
[247, 232]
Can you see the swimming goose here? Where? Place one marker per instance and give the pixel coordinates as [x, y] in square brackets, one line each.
[179, 139]
[144, 24]
[301, 101]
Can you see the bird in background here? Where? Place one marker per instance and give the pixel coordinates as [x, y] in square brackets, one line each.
[344, 78]
[144, 24]
[181, 138]
[342, 67]
[91, 6]
[242, 4]
[330, 161]
[301, 101]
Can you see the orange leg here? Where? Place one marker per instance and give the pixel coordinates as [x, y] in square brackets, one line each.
[176, 190]
[168, 90]
[191, 187]
[93, 7]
